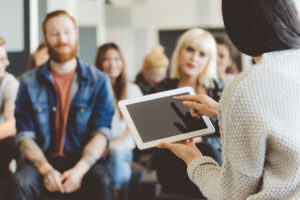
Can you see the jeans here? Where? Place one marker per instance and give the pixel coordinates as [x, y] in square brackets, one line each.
[119, 164]
[27, 183]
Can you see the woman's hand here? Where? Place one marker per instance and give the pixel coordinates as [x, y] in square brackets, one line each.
[200, 105]
[187, 151]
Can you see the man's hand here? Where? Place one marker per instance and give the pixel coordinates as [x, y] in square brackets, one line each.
[72, 179]
[52, 177]
[53, 181]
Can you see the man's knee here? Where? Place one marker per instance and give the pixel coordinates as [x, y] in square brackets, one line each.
[98, 183]
[24, 183]
[101, 178]
[19, 181]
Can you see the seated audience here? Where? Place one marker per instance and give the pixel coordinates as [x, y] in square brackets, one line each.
[110, 60]
[259, 111]
[154, 69]
[8, 91]
[39, 57]
[193, 64]
[63, 113]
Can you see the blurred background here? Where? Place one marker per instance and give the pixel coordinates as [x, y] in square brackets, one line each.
[136, 25]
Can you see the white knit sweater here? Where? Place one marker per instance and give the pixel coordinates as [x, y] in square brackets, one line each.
[259, 118]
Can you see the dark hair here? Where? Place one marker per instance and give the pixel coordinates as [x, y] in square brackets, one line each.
[120, 85]
[32, 59]
[224, 41]
[259, 26]
[57, 13]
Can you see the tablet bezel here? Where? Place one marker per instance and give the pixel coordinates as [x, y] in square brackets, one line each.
[145, 145]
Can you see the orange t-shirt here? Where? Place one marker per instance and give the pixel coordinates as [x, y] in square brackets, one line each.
[63, 86]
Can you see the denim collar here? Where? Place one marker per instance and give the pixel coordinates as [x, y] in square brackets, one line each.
[81, 71]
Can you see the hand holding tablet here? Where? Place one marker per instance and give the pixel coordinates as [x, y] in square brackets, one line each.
[159, 118]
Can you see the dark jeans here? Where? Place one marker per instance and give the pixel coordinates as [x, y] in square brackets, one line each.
[172, 171]
[27, 183]
[8, 151]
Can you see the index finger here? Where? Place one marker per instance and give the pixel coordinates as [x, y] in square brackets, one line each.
[197, 98]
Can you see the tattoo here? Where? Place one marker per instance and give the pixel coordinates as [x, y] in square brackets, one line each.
[89, 159]
[28, 144]
[36, 162]
[49, 172]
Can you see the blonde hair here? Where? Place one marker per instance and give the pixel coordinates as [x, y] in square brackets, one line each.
[2, 41]
[155, 59]
[197, 38]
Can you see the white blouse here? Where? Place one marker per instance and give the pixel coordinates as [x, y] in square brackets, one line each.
[119, 125]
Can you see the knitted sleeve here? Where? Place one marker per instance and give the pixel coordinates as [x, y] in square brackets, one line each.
[244, 148]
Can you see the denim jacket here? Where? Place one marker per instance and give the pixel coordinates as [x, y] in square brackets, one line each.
[91, 108]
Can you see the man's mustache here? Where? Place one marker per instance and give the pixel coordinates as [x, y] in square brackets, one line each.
[63, 45]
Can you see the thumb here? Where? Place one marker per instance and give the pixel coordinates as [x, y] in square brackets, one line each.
[164, 145]
[65, 175]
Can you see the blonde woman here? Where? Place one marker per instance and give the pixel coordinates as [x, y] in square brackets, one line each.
[193, 64]
[154, 69]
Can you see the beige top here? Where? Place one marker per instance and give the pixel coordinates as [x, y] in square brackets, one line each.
[259, 118]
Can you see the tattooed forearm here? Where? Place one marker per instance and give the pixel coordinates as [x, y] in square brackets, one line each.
[32, 152]
[89, 159]
[28, 145]
[37, 161]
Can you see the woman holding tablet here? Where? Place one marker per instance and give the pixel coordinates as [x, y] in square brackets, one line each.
[193, 64]
[258, 112]
[109, 59]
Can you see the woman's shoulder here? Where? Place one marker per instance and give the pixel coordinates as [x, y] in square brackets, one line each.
[133, 90]
[166, 84]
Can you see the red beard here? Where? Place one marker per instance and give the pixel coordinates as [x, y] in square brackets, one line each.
[60, 56]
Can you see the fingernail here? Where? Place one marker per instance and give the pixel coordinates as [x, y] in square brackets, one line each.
[186, 103]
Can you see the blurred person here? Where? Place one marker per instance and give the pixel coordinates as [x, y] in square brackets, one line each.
[258, 112]
[8, 92]
[110, 60]
[154, 69]
[63, 113]
[39, 57]
[193, 64]
[224, 60]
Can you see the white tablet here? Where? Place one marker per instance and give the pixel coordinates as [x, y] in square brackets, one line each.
[159, 118]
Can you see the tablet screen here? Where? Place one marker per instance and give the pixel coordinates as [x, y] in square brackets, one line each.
[163, 117]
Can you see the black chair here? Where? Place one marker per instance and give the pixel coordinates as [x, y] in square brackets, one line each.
[169, 196]
[3, 188]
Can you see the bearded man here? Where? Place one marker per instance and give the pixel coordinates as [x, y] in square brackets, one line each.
[63, 117]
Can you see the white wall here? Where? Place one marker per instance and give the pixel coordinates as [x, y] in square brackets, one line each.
[12, 24]
[86, 13]
[297, 2]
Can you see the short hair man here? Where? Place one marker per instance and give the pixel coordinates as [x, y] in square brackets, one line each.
[8, 91]
[63, 114]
